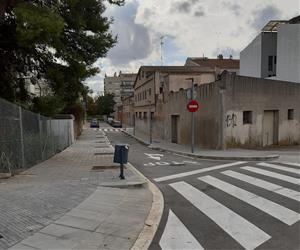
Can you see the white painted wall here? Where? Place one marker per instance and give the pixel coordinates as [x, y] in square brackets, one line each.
[250, 58]
[288, 53]
[242, 134]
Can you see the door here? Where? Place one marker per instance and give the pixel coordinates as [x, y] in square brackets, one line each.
[270, 127]
[174, 128]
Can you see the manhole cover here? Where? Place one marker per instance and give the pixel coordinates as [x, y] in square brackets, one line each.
[104, 153]
[105, 167]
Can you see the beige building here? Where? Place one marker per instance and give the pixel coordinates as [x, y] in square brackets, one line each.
[121, 86]
[154, 83]
[235, 111]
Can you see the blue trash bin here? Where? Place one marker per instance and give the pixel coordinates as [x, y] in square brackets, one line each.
[121, 156]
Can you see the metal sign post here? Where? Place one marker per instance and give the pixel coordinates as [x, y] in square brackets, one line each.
[193, 120]
[192, 107]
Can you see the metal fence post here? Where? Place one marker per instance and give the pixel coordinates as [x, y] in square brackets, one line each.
[40, 135]
[21, 137]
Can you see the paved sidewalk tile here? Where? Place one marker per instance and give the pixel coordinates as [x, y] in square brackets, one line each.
[60, 203]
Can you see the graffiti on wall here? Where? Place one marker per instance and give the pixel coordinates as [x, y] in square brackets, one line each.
[231, 120]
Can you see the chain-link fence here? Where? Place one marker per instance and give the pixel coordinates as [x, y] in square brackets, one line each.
[27, 138]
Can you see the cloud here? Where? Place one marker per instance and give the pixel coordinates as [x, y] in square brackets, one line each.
[190, 27]
[234, 7]
[263, 16]
[134, 41]
[187, 7]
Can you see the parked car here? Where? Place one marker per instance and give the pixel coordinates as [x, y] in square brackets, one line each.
[109, 120]
[94, 123]
[116, 124]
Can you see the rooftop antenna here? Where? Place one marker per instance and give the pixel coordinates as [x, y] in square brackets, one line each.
[161, 49]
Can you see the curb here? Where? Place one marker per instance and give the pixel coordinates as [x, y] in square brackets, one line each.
[151, 224]
[214, 157]
[208, 157]
[130, 184]
[136, 138]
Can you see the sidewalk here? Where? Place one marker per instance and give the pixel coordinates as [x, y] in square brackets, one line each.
[290, 154]
[63, 203]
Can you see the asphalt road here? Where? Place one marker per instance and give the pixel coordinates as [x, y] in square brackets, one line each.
[234, 205]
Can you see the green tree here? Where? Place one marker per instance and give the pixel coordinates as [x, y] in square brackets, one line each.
[92, 109]
[106, 104]
[57, 40]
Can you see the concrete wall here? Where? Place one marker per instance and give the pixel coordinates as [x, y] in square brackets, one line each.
[219, 121]
[250, 58]
[259, 95]
[288, 53]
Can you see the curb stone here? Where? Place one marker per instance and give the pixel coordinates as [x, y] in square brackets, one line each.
[152, 222]
[209, 157]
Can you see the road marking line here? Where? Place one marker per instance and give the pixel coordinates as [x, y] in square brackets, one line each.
[198, 171]
[292, 164]
[177, 236]
[279, 212]
[287, 169]
[273, 175]
[292, 194]
[244, 232]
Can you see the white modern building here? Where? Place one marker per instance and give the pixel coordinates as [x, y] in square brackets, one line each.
[274, 53]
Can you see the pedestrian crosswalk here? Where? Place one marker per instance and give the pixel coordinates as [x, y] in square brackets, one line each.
[236, 183]
[108, 129]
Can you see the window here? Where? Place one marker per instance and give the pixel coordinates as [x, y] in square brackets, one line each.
[145, 94]
[275, 59]
[145, 115]
[247, 117]
[270, 63]
[149, 91]
[152, 115]
[140, 115]
[290, 114]
[136, 114]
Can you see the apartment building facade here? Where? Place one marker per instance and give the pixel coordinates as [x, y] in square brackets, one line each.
[274, 53]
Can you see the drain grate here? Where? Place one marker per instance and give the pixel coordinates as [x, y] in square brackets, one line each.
[104, 153]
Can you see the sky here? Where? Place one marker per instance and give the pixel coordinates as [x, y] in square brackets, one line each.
[190, 28]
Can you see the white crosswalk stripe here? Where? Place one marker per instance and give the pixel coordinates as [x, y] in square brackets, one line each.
[111, 129]
[279, 212]
[286, 169]
[273, 175]
[292, 194]
[198, 171]
[292, 164]
[244, 232]
[177, 236]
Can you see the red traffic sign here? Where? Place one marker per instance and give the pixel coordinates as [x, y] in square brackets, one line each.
[193, 106]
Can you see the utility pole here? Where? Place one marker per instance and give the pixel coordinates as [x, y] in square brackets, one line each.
[150, 123]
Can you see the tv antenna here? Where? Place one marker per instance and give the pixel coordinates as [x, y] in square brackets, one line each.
[161, 49]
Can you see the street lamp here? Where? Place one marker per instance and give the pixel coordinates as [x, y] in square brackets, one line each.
[150, 123]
